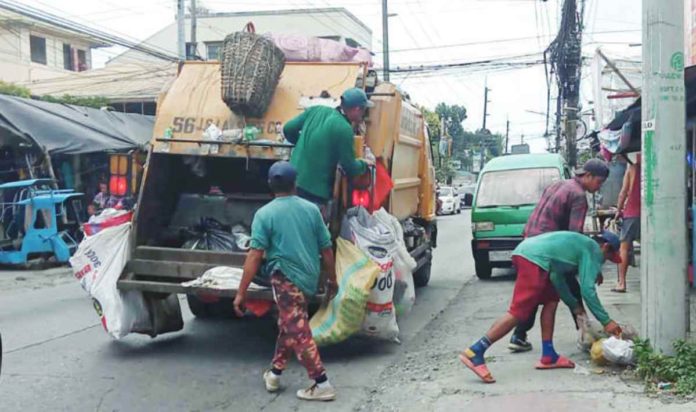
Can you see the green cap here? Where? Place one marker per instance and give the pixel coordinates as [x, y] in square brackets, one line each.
[355, 97]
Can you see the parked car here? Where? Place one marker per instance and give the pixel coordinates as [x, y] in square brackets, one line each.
[507, 191]
[451, 203]
[466, 194]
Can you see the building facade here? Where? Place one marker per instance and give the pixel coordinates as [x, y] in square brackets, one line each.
[331, 23]
[32, 50]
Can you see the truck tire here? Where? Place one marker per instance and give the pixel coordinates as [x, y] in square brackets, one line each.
[222, 309]
[421, 277]
[483, 265]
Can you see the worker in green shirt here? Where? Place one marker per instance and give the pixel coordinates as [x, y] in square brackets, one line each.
[542, 263]
[324, 138]
[290, 233]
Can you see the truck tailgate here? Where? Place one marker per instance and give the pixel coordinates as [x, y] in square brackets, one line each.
[162, 270]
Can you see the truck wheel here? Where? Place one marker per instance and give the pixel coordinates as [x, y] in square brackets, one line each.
[421, 277]
[483, 265]
[223, 308]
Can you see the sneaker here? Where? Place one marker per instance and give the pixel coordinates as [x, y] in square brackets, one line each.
[315, 393]
[272, 381]
[519, 345]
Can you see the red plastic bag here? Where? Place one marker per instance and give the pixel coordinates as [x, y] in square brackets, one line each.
[373, 196]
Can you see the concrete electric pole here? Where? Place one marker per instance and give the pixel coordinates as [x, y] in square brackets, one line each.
[663, 214]
[507, 135]
[193, 52]
[484, 131]
[180, 30]
[572, 101]
[385, 40]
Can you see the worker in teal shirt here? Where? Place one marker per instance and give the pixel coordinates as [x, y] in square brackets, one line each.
[542, 263]
[324, 138]
[292, 235]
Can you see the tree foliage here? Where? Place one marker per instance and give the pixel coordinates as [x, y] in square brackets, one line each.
[11, 89]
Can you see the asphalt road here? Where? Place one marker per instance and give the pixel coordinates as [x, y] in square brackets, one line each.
[57, 357]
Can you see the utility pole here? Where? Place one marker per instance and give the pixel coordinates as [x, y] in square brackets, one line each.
[507, 134]
[180, 30]
[385, 40]
[484, 131]
[558, 122]
[574, 67]
[193, 53]
[663, 212]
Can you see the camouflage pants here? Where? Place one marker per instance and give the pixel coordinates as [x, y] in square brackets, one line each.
[294, 333]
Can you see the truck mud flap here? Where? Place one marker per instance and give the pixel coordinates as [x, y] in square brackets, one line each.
[165, 314]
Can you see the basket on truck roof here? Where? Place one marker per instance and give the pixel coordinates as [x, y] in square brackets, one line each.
[190, 176]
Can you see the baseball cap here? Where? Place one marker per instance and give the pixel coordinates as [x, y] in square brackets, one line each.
[282, 171]
[355, 97]
[594, 167]
[614, 242]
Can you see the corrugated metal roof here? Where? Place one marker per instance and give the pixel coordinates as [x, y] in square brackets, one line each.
[125, 82]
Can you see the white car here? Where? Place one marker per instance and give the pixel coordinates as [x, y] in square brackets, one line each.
[451, 202]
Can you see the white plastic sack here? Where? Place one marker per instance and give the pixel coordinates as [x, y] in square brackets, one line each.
[404, 264]
[377, 241]
[223, 278]
[618, 351]
[297, 47]
[97, 264]
[380, 317]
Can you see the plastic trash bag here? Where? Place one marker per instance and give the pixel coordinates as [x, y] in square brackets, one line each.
[344, 315]
[589, 331]
[597, 353]
[210, 234]
[242, 238]
[618, 351]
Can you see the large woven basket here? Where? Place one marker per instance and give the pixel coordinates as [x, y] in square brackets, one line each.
[250, 70]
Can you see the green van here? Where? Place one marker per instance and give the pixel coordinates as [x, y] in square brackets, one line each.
[508, 188]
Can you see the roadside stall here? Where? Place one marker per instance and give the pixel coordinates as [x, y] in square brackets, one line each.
[76, 146]
[51, 156]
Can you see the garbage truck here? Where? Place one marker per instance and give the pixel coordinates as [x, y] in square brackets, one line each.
[193, 176]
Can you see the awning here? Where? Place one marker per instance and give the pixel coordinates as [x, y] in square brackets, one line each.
[67, 129]
[623, 133]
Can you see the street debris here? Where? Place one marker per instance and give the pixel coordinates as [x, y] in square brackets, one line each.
[222, 278]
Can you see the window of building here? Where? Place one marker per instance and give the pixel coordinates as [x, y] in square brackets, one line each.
[81, 61]
[214, 50]
[192, 51]
[37, 46]
[68, 61]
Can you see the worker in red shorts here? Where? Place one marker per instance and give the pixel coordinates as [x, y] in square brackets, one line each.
[542, 263]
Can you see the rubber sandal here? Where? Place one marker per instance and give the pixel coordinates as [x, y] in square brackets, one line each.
[481, 370]
[561, 363]
[616, 290]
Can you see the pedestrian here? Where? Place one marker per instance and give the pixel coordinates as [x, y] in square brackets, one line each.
[292, 235]
[102, 199]
[542, 263]
[628, 208]
[324, 138]
[563, 206]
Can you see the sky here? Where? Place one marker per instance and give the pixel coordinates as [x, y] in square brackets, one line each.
[469, 30]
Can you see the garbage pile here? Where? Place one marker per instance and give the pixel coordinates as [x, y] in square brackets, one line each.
[606, 350]
[375, 276]
[210, 234]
